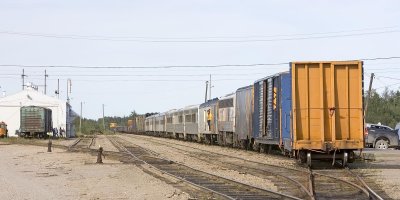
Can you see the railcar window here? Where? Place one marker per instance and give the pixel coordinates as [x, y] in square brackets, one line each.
[180, 119]
[226, 103]
[194, 120]
[188, 118]
[169, 120]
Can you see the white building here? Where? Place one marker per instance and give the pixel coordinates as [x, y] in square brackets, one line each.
[10, 106]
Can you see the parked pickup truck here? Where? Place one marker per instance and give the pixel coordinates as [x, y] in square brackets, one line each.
[381, 137]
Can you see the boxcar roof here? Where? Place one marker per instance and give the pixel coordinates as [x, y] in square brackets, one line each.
[273, 75]
[228, 96]
[209, 103]
[244, 88]
[191, 107]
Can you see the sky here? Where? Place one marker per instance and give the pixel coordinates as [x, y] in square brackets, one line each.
[153, 56]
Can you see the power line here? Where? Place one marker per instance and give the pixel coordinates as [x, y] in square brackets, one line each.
[175, 66]
[381, 58]
[75, 36]
[387, 86]
[140, 67]
[137, 75]
[389, 77]
[149, 40]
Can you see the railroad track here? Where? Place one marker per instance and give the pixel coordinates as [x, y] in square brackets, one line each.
[227, 188]
[83, 143]
[323, 185]
[294, 182]
[341, 184]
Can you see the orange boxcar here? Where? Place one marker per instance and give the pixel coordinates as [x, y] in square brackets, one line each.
[328, 115]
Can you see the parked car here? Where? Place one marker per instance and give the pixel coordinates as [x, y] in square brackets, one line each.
[381, 137]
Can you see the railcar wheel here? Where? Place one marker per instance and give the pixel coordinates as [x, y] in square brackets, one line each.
[262, 148]
[302, 157]
[345, 159]
[352, 157]
[256, 146]
[309, 159]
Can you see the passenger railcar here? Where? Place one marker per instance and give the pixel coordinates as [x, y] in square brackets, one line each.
[244, 116]
[226, 120]
[177, 121]
[208, 132]
[150, 124]
[191, 130]
[159, 124]
[169, 125]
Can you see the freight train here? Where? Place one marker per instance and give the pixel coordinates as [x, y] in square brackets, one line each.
[313, 111]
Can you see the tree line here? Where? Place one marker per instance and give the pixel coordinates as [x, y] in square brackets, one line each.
[384, 108]
[91, 126]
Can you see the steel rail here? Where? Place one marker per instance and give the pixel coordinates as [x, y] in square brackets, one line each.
[265, 190]
[122, 148]
[371, 194]
[297, 183]
[75, 143]
[91, 143]
[368, 191]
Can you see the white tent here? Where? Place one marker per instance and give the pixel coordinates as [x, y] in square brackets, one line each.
[10, 106]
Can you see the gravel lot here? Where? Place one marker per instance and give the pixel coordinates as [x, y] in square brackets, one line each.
[29, 172]
[385, 170]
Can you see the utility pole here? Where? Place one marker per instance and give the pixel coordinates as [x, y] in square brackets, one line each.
[369, 93]
[80, 120]
[45, 81]
[210, 89]
[68, 89]
[104, 126]
[205, 98]
[58, 88]
[23, 79]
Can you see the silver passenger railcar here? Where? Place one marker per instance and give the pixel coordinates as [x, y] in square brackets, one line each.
[177, 120]
[226, 120]
[243, 117]
[150, 124]
[159, 124]
[169, 126]
[191, 130]
[208, 131]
